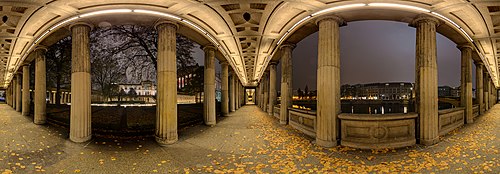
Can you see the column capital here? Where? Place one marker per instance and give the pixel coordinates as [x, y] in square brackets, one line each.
[208, 47]
[479, 64]
[166, 22]
[81, 24]
[464, 46]
[40, 48]
[273, 63]
[223, 62]
[335, 18]
[424, 19]
[286, 45]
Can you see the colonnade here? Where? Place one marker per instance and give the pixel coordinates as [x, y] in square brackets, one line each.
[328, 82]
[80, 95]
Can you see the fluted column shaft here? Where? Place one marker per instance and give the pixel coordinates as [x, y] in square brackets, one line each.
[426, 72]
[40, 87]
[486, 89]
[286, 81]
[80, 121]
[14, 87]
[265, 92]
[7, 95]
[225, 88]
[479, 86]
[209, 86]
[466, 83]
[236, 93]
[232, 92]
[19, 79]
[166, 110]
[26, 90]
[272, 87]
[328, 81]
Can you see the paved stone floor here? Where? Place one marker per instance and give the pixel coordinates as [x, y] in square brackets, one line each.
[247, 141]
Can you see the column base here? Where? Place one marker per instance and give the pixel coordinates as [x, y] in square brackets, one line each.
[39, 122]
[80, 140]
[324, 143]
[469, 121]
[165, 141]
[25, 114]
[283, 122]
[211, 124]
[429, 142]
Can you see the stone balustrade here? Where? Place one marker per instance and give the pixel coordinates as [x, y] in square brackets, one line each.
[450, 119]
[276, 111]
[366, 131]
[475, 110]
[302, 120]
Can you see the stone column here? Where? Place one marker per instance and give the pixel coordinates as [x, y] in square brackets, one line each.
[490, 89]
[80, 120]
[286, 81]
[26, 90]
[7, 95]
[236, 93]
[209, 86]
[466, 83]
[232, 93]
[479, 86]
[243, 103]
[225, 88]
[426, 72]
[272, 87]
[328, 83]
[238, 96]
[266, 91]
[486, 89]
[14, 87]
[166, 110]
[19, 80]
[40, 86]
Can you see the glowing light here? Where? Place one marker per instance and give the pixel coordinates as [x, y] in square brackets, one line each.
[63, 22]
[398, 6]
[282, 38]
[296, 24]
[193, 25]
[338, 8]
[157, 13]
[213, 40]
[41, 36]
[463, 31]
[106, 12]
[446, 19]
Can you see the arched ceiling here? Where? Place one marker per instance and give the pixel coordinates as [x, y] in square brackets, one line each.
[248, 32]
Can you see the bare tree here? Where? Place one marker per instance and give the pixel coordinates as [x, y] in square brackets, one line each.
[59, 65]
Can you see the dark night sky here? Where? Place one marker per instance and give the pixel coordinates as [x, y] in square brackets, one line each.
[371, 51]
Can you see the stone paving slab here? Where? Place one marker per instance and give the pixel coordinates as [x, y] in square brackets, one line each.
[248, 141]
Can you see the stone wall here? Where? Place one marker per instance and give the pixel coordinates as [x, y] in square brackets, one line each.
[304, 121]
[450, 119]
[277, 111]
[377, 131]
[475, 110]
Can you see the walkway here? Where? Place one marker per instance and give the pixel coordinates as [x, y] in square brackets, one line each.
[247, 141]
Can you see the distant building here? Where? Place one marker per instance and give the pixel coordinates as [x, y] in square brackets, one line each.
[444, 91]
[144, 91]
[377, 91]
[455, 92]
